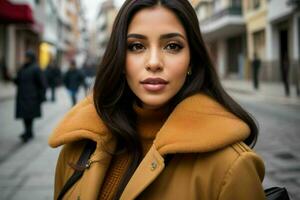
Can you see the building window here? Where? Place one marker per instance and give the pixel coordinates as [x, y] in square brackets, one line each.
[37, 2]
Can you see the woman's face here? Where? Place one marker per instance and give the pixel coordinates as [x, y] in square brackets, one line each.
[158, 56]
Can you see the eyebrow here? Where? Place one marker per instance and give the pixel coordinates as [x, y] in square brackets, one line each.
[162, 37]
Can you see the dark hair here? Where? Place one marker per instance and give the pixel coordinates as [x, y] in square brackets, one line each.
[113, 98]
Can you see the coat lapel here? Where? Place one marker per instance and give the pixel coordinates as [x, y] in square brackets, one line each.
[148, 170]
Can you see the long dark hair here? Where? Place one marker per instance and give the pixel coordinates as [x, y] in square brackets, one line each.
[113, 98]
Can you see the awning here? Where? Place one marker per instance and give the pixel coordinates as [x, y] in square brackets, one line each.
[15, 13]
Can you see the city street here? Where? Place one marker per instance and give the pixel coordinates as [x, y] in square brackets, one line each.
[27, 170]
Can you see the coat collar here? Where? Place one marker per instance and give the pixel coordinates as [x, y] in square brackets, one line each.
[197, 124]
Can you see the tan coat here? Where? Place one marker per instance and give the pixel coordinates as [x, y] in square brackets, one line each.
[209, 163]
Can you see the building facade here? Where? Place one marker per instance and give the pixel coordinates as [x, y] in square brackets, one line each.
[223, 27]
[235, 30]
[54, 29]
[103, 24]
[20, 31]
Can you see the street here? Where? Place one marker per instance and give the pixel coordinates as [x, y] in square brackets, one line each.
[27, 170]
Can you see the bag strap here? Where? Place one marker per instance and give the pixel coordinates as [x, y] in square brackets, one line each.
[80, 166]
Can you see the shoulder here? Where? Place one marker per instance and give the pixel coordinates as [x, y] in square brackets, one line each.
[229, 169]
[228, 158]
[70, 152]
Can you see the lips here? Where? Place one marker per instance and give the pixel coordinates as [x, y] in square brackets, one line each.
[154, 81]
[154, 84]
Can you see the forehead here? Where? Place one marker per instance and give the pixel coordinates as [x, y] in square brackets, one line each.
[155, 19]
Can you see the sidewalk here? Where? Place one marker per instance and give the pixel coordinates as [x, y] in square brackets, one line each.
[7, 90]
[273, 91]
[27, 170]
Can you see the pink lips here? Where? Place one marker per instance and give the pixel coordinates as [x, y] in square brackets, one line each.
[154, 84]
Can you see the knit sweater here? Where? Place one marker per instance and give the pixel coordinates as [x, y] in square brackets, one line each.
[148, 124]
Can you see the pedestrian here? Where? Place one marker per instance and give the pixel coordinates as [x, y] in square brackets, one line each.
[159, 125]
[89, 73]
[72, 80]
[4, 72]
[255, 69]
[297, 78]
[53, 75]
[31, 87]
[285, 69]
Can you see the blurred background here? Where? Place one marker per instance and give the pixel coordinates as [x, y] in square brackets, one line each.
[255, 46]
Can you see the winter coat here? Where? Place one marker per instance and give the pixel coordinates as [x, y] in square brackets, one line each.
[73, 79]
[53, 75]
[31, 87]
[209, 160]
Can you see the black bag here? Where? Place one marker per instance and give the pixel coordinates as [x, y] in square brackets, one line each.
[276, 193]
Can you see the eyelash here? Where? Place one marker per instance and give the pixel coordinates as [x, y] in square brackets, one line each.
[131, 46]
[174, 47]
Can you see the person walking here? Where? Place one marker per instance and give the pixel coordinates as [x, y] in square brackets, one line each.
[255, 69]
[4, 72]
[53, 75]
[285, 70]
[31, 88]
[72, 80]
[159, 124]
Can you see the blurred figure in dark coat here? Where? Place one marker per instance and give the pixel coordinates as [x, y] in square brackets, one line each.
[31, 87]
[4, 72]
[72, 80]
[53, 75]
[255, 69]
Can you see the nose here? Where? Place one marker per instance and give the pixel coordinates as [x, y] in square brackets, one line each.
[154, 61]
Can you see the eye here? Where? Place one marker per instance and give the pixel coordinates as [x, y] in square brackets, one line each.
[135, 47]
[175, 47]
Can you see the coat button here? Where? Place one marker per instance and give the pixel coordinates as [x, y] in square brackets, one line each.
[153, 166]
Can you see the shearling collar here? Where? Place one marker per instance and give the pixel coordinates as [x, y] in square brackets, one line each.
[197, 124]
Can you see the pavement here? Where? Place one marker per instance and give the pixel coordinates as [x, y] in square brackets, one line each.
[7, 90]
[273, 91]
[27, 171]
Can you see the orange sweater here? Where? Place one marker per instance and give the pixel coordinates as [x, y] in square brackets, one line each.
[148, 124]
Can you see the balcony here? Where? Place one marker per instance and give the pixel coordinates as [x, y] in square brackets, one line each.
[224, 23]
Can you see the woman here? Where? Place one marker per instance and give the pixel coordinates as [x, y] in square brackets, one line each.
[163, 125]
[31, 88]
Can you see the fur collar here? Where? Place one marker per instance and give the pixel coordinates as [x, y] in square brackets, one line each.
[197, 124]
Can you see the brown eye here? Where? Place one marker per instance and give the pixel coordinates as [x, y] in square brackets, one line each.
[174, 47]
[135, 47]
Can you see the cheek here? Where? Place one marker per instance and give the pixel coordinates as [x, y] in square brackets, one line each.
[132, 67]
[180, 67]
[133, 64]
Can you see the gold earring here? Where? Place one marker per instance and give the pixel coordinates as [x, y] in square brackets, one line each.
[189, 72]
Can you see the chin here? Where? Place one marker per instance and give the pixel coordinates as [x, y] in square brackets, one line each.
[153, 104]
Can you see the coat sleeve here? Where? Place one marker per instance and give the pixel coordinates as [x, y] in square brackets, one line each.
[243, 179]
